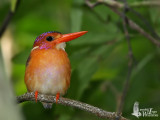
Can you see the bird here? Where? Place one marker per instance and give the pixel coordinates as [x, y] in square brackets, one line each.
[48, 69]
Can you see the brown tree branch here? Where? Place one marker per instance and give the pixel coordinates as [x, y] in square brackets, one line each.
[131, 60]
[146, 3]
[5, 23]
[68, 102]
[136, 27]
[131, 23]
[8, 19]
[115, 3]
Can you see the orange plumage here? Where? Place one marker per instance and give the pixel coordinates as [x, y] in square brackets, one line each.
[48, 68]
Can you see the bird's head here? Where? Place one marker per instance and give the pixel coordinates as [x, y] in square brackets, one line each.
[52, 40]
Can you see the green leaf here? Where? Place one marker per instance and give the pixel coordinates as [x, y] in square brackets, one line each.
[142, 64]
[76, 19]
[21, 57]
[13, 5]
[81, 77]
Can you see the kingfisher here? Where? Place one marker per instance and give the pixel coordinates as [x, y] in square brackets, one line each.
[48, 69]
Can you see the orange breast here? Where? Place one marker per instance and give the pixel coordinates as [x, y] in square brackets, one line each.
[48, 71]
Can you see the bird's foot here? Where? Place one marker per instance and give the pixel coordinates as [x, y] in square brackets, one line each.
[36, 95]
[57, 97]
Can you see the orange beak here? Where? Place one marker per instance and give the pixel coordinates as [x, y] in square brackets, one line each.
[70, 36]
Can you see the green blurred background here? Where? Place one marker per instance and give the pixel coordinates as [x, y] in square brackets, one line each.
[99, 59]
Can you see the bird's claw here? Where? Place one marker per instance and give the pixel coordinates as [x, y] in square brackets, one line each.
[57, 97]
[36, 95]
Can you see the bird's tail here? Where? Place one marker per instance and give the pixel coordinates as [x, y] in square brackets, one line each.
[47, 105]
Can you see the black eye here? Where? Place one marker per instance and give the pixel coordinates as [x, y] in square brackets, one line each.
[49, 38]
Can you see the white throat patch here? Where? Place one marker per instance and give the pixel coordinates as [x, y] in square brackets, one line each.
[35, 48]
[61, 46]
